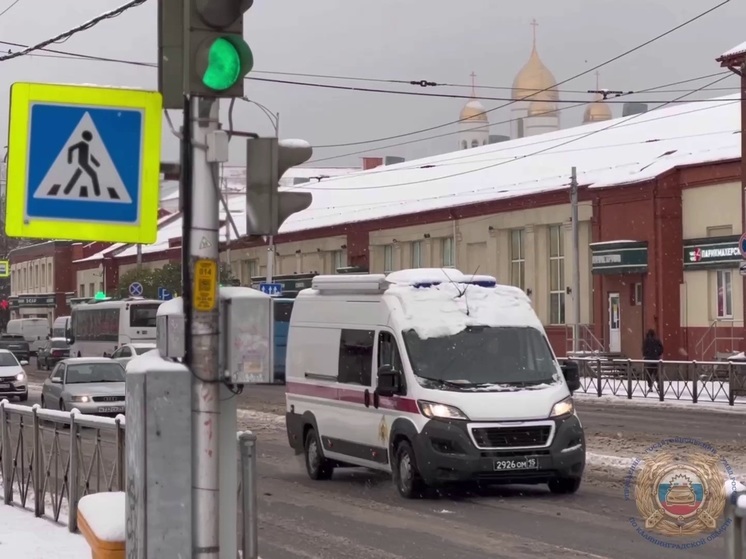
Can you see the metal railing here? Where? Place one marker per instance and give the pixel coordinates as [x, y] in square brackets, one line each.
[720, 338]
[712, 381]
[587, 341]
[50, 459]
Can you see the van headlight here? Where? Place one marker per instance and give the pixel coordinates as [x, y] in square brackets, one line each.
[433, 410]
[563, 407]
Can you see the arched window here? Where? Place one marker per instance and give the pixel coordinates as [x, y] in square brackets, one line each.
[464, 144]
[474, 143]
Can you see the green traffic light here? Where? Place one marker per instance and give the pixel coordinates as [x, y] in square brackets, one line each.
[223, 65]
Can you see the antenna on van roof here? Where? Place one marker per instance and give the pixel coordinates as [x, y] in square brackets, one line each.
[461, 292]
[466, 301]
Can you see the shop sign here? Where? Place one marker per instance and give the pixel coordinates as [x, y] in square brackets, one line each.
[36, 301]
[717, 252]
[622, 257]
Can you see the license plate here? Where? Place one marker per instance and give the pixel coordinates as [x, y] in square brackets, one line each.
[6, 386]
[516, 464]
[111, 409]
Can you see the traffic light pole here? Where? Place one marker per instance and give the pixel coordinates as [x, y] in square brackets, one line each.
[203, 325]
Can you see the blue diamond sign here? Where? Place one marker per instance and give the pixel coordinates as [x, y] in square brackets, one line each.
[83, 163]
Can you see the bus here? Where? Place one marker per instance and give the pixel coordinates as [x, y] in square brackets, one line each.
[282, 309]
[99, 327]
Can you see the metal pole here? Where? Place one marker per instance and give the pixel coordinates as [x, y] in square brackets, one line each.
[139, 257]
[204, 324]
[575, 259]
[250, 513]
[270, 259]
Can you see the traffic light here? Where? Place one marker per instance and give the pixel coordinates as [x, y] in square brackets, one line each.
[267, 159]
[218, 57]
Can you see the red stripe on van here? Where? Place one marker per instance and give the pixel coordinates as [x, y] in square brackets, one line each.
[407, 405]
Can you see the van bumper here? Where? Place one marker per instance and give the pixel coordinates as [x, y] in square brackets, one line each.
[445, 453]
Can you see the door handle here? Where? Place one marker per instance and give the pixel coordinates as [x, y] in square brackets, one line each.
[366, 398]
[376, 400]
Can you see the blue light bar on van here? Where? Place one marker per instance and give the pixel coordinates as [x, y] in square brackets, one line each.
[477, 282]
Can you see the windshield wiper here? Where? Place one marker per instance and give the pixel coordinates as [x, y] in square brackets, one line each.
[443, 382]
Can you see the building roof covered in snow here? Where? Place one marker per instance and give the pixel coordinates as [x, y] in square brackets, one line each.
[616, 152]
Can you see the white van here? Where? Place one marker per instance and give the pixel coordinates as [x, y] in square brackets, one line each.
[431, 375]
[60, 327]
[34, 330]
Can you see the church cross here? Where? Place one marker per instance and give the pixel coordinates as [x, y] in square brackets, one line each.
[473, 84]
[534, 24]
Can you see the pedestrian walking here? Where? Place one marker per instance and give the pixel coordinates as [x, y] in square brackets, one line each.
[652, 350]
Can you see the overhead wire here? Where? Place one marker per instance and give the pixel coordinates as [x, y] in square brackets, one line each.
[6, 10]
[62, 37]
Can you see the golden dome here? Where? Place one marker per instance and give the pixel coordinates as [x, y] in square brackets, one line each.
[597, 111]
[473, 111]
[534, 77]
[541, 108]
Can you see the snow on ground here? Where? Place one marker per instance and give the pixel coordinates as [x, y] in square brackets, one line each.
[23, 535]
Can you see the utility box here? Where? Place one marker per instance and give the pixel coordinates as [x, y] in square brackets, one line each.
[158, 450]
[246, 334]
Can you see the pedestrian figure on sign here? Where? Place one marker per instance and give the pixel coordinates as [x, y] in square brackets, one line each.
[84, 165]
[652, 350]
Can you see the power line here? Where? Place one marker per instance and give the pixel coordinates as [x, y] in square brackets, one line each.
[6, 10]
[116, 12]
[724, 74]
[538, 152]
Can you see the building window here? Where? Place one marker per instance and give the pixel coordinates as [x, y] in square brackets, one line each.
[637, 293]
[339, 260]
[388, 258]
[81, 291]
[50, 283]
[249, 269]
[417, 254]
[474, 143]
[556, 275]
[447, 255]
[43, 276]
[91, 289]
[517, 259]
[724, 294]
[356, 357]
[464, 145]
[101, 287]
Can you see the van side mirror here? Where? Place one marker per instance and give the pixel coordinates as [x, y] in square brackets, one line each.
[389, 381]
[571, 371]
[55, 380]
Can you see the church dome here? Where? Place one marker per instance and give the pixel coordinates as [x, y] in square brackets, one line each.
[534, 77]
[542, 108]
[473, 111]
[597, 111]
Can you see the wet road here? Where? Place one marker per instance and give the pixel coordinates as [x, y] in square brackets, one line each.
[359, 515]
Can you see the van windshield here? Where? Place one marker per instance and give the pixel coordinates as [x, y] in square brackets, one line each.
[481, 356]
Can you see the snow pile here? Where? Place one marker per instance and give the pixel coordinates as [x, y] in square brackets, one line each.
[448, 308]
[22, 535]
[738, 49]
[105, 515]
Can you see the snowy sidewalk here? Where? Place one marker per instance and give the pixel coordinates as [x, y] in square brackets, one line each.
[24, 535]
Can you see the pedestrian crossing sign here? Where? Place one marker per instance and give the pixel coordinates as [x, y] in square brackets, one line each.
[83, 163]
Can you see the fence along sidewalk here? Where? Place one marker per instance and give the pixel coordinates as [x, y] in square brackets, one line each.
[693, 381]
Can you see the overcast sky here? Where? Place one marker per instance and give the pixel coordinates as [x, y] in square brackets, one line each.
[438, 40]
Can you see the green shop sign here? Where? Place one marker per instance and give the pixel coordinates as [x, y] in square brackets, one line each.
[619, 257]
[712, 252]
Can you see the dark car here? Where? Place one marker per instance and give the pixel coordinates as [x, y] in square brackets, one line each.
[17, 345]
[51, 353]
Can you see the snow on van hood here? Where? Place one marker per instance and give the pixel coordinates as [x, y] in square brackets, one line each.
[446, 309]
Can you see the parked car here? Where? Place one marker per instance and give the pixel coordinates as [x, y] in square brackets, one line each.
[93, 385]
[13, 383]
[127, 352]
[52, 352]
[16, 344]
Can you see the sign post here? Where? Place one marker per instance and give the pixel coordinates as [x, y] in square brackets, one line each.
[136, 289]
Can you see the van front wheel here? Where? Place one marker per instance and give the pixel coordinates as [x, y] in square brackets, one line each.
[318, 467]
[405, 473]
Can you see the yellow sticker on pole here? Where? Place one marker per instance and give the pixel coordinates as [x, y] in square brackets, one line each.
[205, 285]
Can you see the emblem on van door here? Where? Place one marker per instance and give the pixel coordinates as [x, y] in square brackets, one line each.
[383, 430]
[679, 489]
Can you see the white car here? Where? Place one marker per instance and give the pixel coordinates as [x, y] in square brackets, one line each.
[13, 381]
[127, 352]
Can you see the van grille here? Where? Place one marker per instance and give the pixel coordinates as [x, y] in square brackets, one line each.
[510, 437]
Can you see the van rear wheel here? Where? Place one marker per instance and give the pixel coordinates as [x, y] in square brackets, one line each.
[318, 467]
[406, 476]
